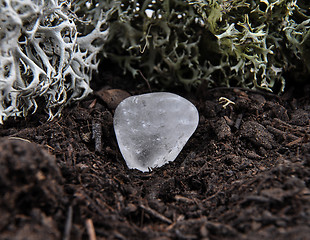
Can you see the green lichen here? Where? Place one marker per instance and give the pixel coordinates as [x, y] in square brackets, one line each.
[244, 43]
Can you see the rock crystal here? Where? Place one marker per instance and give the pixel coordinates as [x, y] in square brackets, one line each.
[151, 129]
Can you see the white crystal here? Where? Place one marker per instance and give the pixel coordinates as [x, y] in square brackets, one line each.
[151, 129]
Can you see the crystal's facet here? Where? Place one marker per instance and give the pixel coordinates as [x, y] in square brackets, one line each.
[151, 129]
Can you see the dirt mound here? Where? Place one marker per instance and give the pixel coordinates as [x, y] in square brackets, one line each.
[244, 174]
[31, 191]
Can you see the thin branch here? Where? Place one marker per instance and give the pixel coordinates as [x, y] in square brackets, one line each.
[90, 229]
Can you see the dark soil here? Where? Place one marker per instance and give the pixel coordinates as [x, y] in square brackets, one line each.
[244, 174]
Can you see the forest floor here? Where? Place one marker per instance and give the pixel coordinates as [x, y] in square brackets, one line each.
[244, 174]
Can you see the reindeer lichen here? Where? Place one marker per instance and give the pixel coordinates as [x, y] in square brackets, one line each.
[218, 42]
[42, 55]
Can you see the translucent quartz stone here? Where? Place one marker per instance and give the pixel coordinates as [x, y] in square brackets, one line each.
[151, 129]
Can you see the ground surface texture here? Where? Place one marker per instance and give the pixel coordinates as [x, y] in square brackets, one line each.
[244, 174]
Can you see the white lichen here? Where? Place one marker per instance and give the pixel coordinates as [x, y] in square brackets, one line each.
[42, 55]
[225, 102]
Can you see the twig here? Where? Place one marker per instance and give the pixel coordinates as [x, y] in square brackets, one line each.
[147, 82]
[90, 229]
[298, 140]
[282, 134]
[49, 147]
[68, 225]
[183, 199]
[155, 214]
[269, 94]
[238, 120]
[97, 134]
[93, 103]
[19, 138]
[294, 127]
